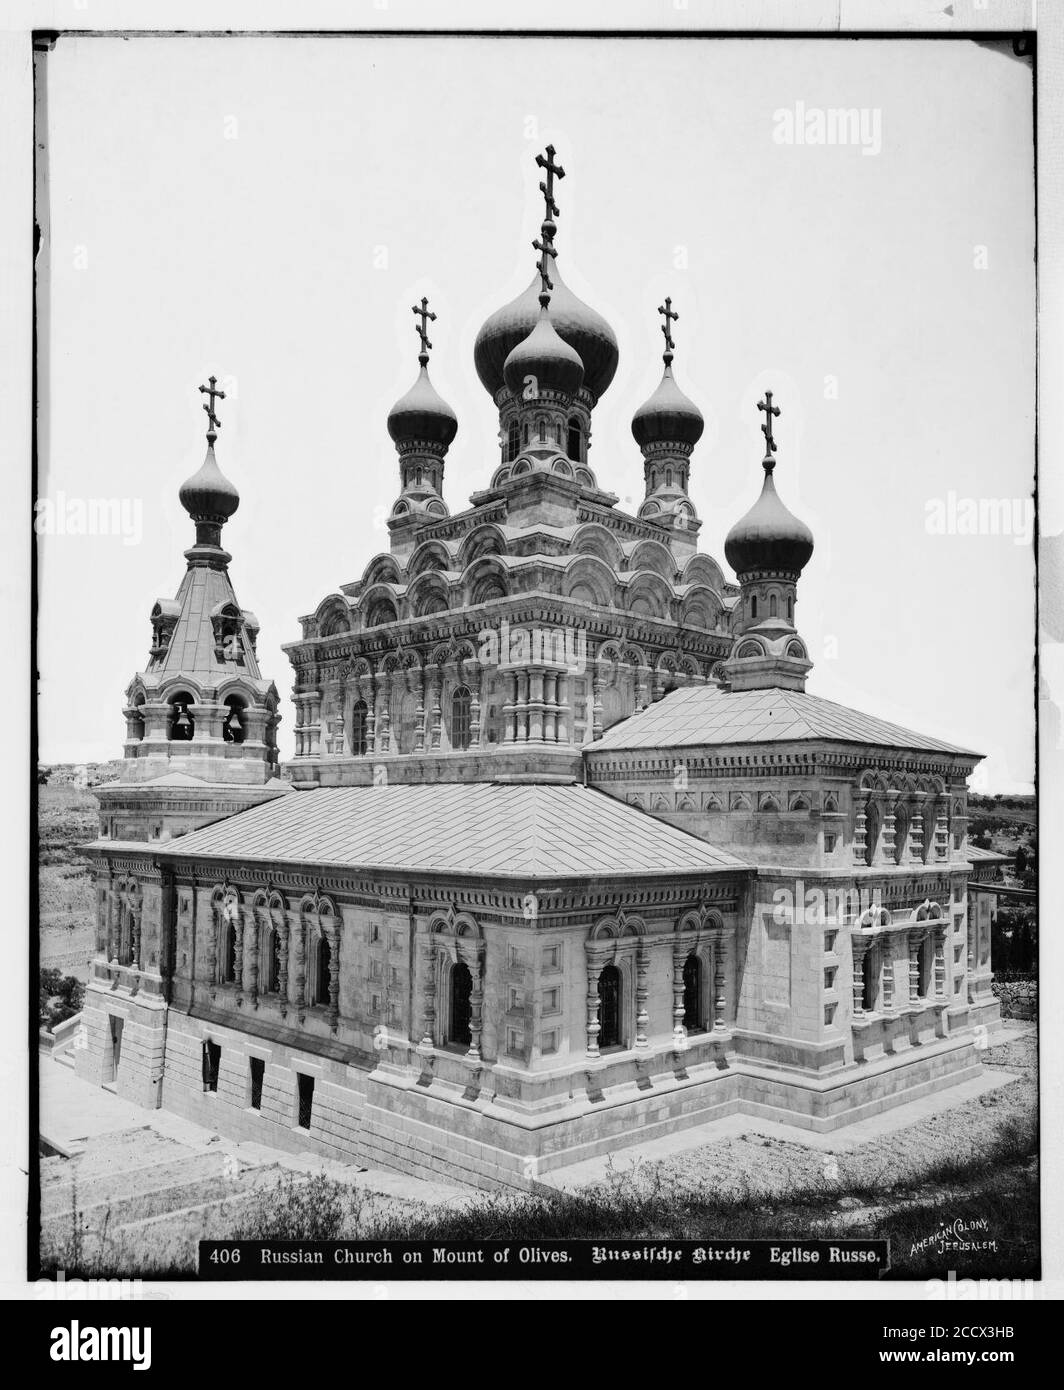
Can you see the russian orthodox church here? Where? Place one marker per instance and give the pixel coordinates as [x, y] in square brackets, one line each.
[567, 857]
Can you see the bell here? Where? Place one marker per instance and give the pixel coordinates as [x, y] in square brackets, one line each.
[183, 721]
[235, 725]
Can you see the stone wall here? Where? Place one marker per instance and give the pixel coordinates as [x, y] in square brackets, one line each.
[1018, 998]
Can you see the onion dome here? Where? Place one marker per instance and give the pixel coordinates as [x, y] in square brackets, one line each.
[769, 537]
[209, 495]
[574, 321]
[544, 355]
[668, 417]
[423, 414]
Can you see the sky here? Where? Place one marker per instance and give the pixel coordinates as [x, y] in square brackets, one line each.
[268, 209]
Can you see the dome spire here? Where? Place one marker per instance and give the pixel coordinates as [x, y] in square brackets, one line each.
[768, 549]
[208, 496]
[422, 426]
[667, 427]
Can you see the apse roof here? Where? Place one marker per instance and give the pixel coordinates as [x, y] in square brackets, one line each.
[699, 715]
[485, 828]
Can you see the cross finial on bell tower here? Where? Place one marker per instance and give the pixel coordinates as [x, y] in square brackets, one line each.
[213, 423]
[766, 429]
[670, 317]
[425, 314]
[546, 254]
[547, 189]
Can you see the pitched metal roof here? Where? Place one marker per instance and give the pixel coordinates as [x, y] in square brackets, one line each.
[526, 831]
[705, 714]
[191, 649]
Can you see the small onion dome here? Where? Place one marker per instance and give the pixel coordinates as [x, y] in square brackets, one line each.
[208, 494]
[423, 414]
[668, 417]
[545, 356]
[578, 324]
[769, 537]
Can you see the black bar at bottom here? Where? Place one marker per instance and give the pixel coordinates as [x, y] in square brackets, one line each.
[562, 1259]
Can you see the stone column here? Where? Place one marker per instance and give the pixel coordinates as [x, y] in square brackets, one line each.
[642, 687]
[428, 1011]
[299, 944]
[386, 712]
[561, 721]
[890, 827]
[536, 729]
[596, 702]
[720, 987]
[476, 1006]
[437, 709]
[595, 963]
[251, 956]
[859, 947]
[860, 830]
[914, 940]
[284, 934]
[419, 714]
[550, 701]
[474, 711]
[237, 928]
[371, 713]
[940, 962]
[642, 1020]
[334, 976]
[679, 960]
[134, 944]
[521, 730]
[212, 943]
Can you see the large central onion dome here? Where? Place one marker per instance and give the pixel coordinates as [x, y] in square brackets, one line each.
[586, 331]
[769, 537]
[668, 416]
[423, 415]
[545, 357]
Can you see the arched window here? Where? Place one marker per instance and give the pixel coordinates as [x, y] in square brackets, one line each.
[461, 1010]
[137, 724]
[181, 725]
[359, 731]
[574, 440]
[322, 959]
[125, 942]
[609, 993]
[668, 477]
[271, 963]
[513, 441]
[870, 980]
[234, 727]
[753, 605]
[790, 609]
[542, 426]
[871, 834]
[461, 703]
[692, 994]
[228, 954]
[772, 606]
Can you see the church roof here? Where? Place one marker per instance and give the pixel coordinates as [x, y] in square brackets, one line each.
[192, 648]
[707, 715]
[520, 831]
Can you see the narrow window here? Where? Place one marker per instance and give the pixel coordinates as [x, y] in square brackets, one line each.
[513, 441]
[692, 994]
[753, 605]
[461, 1006]
[772, 606]
[321, 974]
[574, 442]
[359, 735]
[212, 1060]
[609, 992]
[461, 705]
[306, 1100]
[869, 979]
[257, 1068]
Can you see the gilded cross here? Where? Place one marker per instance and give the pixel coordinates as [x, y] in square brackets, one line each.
[546, 254]
[670, 318]
[552, 170]
[212, 392]
[425, 314]
[766, 429]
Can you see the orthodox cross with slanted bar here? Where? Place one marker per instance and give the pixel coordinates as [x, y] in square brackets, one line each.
[553, 171]
[214, 424]
[766, 429]
[670, 318]
[425, 314]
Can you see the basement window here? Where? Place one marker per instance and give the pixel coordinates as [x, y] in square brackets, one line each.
[212, 1061]
[305, 1100]
[256, 1072]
